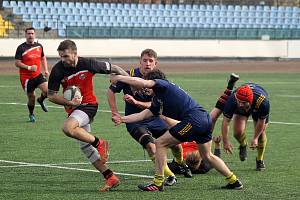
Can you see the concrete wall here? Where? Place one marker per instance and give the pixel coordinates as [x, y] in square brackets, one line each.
[167, 48]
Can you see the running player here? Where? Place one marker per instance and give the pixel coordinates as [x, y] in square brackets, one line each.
[248, 99]
[74, 70]
[195, 125]
[28, 59]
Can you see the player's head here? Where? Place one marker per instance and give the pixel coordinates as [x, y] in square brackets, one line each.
[155, 74]
[148, 61]
[193, 160]
[67, 51]
[244, 97]
[30, 35]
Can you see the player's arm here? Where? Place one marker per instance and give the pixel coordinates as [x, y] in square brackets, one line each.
[45, 66]
[140, 104]
[225, 131]
[118, 70]
[258, 129]
[133, 81]
[58, 99]
[111, 97]
[19, 64]
[145, 114]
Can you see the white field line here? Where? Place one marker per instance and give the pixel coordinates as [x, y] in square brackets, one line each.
[25, 164]
[108, 111]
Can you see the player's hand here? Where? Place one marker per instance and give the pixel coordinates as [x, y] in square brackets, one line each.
[118, 121]
[32, 68]
[76, 101]
[113, 79]
[228, 147]
[115, 117]
[128, 98]
[254, 143]
[217, 139]
[46, 74]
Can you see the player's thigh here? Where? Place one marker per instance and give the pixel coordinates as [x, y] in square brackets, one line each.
[239, 124]
[205, 149]
[166, 140]
[43, 87]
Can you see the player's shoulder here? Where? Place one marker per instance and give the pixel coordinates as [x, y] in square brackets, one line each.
[22, 45]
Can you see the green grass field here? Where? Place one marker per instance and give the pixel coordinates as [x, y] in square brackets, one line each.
[38, 162]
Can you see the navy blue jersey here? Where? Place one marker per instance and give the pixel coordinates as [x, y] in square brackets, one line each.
[140, 96]
[260, 107]
[173, 101]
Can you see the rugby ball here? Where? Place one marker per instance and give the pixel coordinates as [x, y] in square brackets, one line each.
[72, 92]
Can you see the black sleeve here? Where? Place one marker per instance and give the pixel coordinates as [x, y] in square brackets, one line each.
[100, 67]
[19, 52]
[42, 55]
[55, 79]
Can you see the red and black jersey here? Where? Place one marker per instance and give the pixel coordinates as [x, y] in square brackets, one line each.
[188, 147]
[30, 54]
[80, 76]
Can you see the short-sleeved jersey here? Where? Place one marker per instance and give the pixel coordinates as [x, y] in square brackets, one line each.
[80, 76]
[172, 100]
[30, 54]
[259, 108]
[140, 96]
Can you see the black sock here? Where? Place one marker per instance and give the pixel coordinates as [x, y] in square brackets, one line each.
[107, 173]
[42, 97]
[31, 109]
[95, 143]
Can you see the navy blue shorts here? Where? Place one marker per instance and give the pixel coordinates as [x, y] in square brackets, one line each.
[156, 126]
[197, 126]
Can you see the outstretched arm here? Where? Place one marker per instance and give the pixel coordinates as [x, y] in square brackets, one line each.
[118, 70]
[111, 97]
[133, 81]
[136, 117]
[225, 130]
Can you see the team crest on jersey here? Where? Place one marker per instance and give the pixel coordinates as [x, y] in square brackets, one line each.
[82, 76]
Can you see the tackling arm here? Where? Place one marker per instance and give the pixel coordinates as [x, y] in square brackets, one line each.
[133, 81]
[145, 114]
[111, 97]
[118, 70]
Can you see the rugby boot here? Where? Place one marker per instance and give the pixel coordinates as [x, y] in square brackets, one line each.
[243, 152]
[32, 118]
[170, 180]
[186, 171]
[103, 150]
[42, 104]
[260, 165]
[232, 79]
[237, 185]
[151, 187]
[110, 183]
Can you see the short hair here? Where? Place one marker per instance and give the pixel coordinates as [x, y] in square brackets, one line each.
[29, 28]
[149, 52]
[67, 44]
[155, 74]
[193, 160]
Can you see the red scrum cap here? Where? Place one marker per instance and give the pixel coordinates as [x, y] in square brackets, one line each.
[244, 93]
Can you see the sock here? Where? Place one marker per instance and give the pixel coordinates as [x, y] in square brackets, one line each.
[167, 171]
[231, 178]
[230, 85]
[261, 148]
[223, 99]
[107, 174]
[242, 140]
[158, 180]
[30, 109]
[178, 155]
[96, 142]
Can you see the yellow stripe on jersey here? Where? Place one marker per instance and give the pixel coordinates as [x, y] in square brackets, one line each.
[260, 99]
[132, 72]
[185, 129]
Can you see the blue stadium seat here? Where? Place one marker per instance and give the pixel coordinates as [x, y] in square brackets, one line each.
[6, 4]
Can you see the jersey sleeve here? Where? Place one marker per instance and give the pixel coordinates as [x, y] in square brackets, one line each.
[54, 79]
[229, 107]
[100, 67]
[42, 54]
[18, 55]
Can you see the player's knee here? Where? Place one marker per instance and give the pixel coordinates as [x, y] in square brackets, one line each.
[68, 130]
[146, 141]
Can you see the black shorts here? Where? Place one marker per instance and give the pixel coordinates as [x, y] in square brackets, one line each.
[89, 109]
[35, 82]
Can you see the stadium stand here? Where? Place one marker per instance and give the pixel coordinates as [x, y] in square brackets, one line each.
[178, 20]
